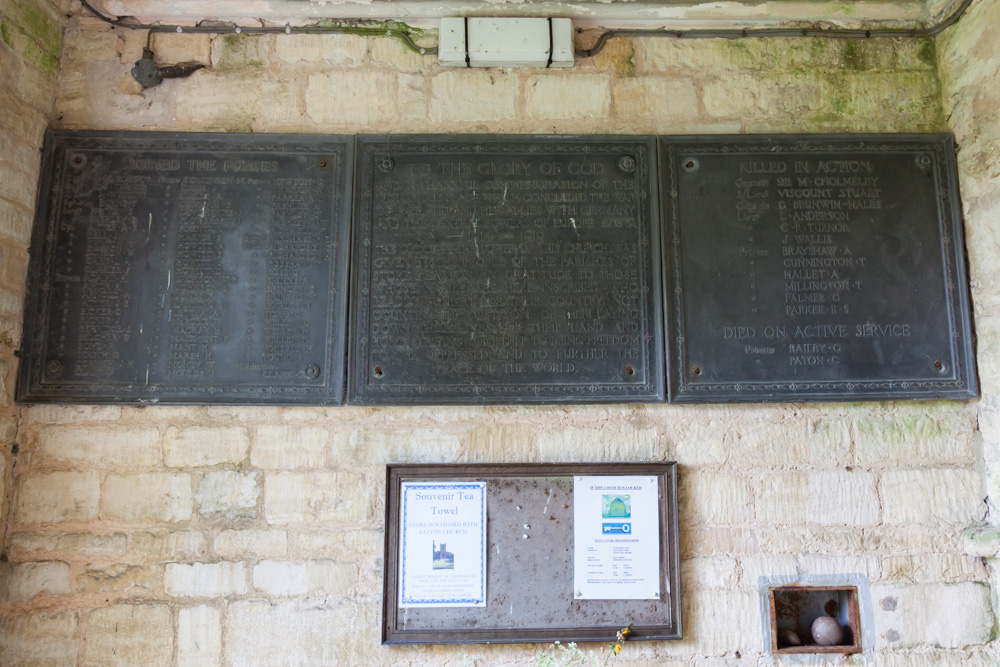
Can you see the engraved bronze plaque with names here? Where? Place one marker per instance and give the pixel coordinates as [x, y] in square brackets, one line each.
[506, 270]
[188, 268]
[808, 268]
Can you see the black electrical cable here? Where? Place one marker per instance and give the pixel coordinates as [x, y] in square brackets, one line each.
[317, 29]
[733, 33]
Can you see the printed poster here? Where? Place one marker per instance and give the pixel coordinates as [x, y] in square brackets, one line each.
[442, 544]
[616, 538]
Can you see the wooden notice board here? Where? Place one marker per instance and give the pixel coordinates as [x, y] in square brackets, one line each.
[529, 564]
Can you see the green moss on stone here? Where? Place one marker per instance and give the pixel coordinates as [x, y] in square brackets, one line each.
[853, 58]
[14, 37]
[928, 52]
[36, 24]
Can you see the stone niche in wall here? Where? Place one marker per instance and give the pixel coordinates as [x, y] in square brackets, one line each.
[277, 269]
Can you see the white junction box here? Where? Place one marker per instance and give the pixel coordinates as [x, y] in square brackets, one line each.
[505, 42]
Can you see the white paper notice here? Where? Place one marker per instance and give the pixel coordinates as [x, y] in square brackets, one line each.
[442, 537]
[616, 538]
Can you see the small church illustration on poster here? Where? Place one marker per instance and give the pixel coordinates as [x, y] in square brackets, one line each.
[443, 559]
[616, 507]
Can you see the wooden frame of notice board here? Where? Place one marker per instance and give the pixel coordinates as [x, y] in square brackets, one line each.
[527, 519]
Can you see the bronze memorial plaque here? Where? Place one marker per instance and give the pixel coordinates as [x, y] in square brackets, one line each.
[506, 270]
[805, 268]
[188, 268]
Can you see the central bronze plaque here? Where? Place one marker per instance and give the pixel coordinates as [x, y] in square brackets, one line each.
[506, 270]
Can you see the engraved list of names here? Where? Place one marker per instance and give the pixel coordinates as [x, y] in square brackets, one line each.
[189, 268]
[506, 270]
[817, 268]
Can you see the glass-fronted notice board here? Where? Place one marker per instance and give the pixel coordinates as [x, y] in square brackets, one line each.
[530, 553]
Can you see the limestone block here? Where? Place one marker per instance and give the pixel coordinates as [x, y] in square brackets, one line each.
[158, 547]
[915, 439]
[199, 637]
[118, 446]
[840, 564]
[39, 638]
[282, 107]
[314, 577]
[11, 303]
[788, 442]
[204, 446]
[501, 442]
[412, 96]
[833, 497]
[920, 54]
[334, 498]
[763, 95]
[17, 186]
[171, 48]
[943, 615]
[241, 51]
[289, 634]
[721, 622]
[69, 414]
[228, 492]
[653, 98]
[147, 497]
[706, 572]
[226, 100]
[58, 496]
[560, 96]
[393, 53]
[707, 497]
[701, 443]
[933, 568]
[351, 98]
[125, 635]
[473, 96]
[26, 546]
[914, 496]
[753, 567]
[378, 446]
[251, 544]
[84, 46]
[15, 222]
[329, 48]
[290, 447]
[205, 580]
[601, 443]
[661, 55]
[30, 579]
[121, 581]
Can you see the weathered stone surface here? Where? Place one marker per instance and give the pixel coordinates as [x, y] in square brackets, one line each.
[58, 496]
[314, 577]
[331, 48]
[205, 580]
[147, 497]
[30, 579]
[946, 615]
[25, 546]
[331, 98]
[228, 492]
[287, 634]
[378, 447]
[338, 498]
[714, 498]
[204, 446]
[600, 444]
[913, 496]
[251, 543]
[125, 635]
[834, 497]
[241, 52]
[289, 447]
[654, 98]
[561, 97]
[158, 547]
[465, 97]
[39, 638]
[501, 443]
[218, 101]
[702, 573]
[123, 446]
[392, 53]
[122, 581]
[199, 637]
[914, 439]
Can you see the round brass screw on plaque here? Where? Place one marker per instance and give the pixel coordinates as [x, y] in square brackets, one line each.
[385, 164]
[378, 372]
[627, 164]
[691, 165]
[322, 164]
[938, 365]
[312, 371]
[696, 370]
[629, 370]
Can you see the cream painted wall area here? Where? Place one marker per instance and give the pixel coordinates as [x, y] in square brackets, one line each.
[231, 535]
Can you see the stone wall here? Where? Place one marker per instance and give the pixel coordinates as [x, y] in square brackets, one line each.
[253, 536]
[30, 45]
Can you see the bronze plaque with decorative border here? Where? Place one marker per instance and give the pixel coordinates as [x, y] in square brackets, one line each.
[815, 268]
